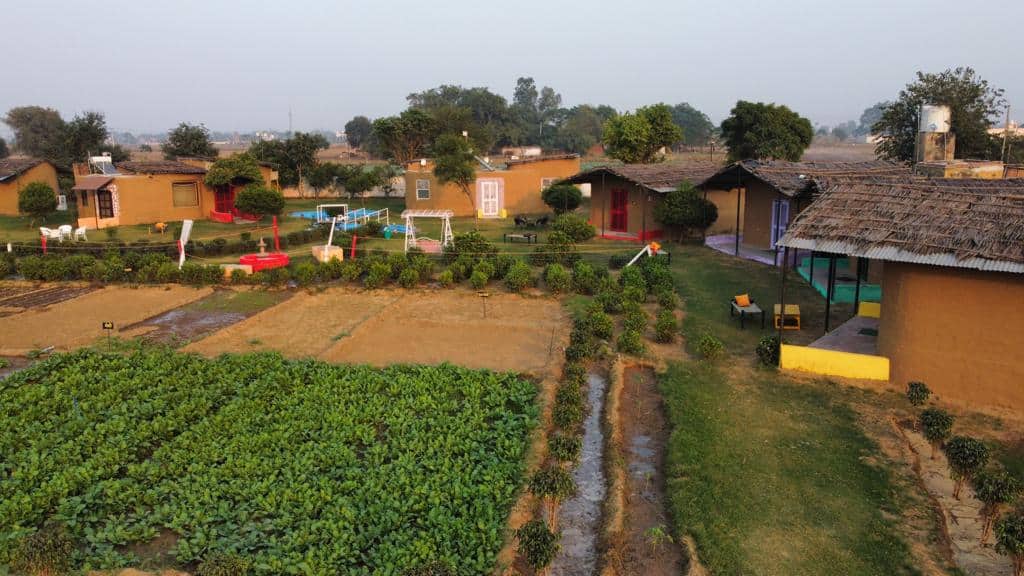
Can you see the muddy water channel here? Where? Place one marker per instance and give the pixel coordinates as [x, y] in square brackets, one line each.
[580, 517]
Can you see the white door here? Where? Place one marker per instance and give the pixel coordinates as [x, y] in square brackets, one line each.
[489, 203]
[780, 219]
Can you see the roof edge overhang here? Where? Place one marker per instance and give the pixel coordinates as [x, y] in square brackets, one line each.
[895, 254]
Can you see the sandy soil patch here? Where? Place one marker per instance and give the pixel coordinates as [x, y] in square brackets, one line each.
[430, 327]
[303, 326]
[78, 322]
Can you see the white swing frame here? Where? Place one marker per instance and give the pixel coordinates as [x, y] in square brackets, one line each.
[411, 241]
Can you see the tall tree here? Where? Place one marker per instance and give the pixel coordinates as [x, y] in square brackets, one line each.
[4, 151]
[38, 131]
[291, 157]
[582, 128]
[868, 118]
[323, 176]
[86, 135]
[188, 140]
[404, 137]
[486, 115]
[454, 164]
[762, 131]
[696, 126]
[357, 130]
[640, 136]
[973, 103]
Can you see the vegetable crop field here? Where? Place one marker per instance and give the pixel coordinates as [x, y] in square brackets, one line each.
[299, 467]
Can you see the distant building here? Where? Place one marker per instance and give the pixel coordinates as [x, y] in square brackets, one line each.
[522, 151]
[16, 173]
[500, 191]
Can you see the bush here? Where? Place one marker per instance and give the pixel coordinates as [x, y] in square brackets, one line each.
[436, 568]
[574, 372]
[918, 393]
[634, 294]
[518, 277]
[936, 425]
[665, 327]
[478, 279]
[351, 270]
[685, 210]
[370, 228]
[967, 456]
[199, 275]
[574, 226]
[631, 342]
[1010, 539]
[559, 249]
[584, 279]
[565, 447]
[617, 261]
[537, 544]
[562, 198]
[558, 279]
[610, 301]
[446, 278]
[503, 263]
[569, 407]
[396, 262]
[222, 564]
[601, 324]
[486, 268]
[377, 275]
[668, 299]
[259, 201]
[552, 483]
[710, 347]
[6, 268]
[37, 200]
[168, 273]
[46, 551]
[305, 273]
[768, 350]
[635, 319]
[470, 244]
[408, 278]
[995, 489]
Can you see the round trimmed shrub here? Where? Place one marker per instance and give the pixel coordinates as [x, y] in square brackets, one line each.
[518, 277]
[558, 279]
[562, 198]
[918, 393]
[377, 275]
[305, 273]
[967, 456]
[710, 347]
[601, 324]
[574, 226]
[537, 544]
[408, 278]
[446, 278]
[768, 350]
[635, 319]
[610, 301]
[936, 425]
[668, 299]
[478, 279]
[665, 327]
[584, 279]
[631, 342]
[565, 447]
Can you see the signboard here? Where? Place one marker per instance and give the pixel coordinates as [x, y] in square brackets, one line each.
[108, 325]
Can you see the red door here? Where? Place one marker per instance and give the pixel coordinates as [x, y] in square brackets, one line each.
[224, 200]
[620, 210]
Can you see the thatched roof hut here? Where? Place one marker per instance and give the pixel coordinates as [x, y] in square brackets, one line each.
[974, 224]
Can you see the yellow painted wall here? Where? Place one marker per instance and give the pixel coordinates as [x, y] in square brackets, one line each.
[725, 201]
[147, 198]
[522, 187]
[44, 172]
[833, 363]
[959, 331]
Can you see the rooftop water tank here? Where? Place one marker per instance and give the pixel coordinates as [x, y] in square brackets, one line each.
[934, 118]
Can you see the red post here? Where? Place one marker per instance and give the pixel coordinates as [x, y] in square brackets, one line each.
[43, 238]
[352, 253]
[277, 241]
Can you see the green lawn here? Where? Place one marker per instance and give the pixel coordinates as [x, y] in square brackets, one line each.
[768, 475]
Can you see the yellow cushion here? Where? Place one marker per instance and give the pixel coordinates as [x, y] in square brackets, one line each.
[743, 300]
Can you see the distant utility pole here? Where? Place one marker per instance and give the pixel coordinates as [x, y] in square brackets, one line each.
[1006, 136]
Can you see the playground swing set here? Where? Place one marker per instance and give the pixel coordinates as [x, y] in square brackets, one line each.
[424, 243]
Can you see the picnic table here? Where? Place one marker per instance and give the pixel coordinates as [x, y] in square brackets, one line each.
[512, 237]
[744, 311]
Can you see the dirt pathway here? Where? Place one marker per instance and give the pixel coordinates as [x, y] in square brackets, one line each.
[962, 517]
[580, 517]
[645, 544]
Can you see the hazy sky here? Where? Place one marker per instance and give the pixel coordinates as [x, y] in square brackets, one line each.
[239, 65]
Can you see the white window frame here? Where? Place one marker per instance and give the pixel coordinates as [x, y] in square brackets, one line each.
[422, 185]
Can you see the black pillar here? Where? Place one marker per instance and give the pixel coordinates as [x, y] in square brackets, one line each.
[739, 206]
[829, 290]
[856, 291]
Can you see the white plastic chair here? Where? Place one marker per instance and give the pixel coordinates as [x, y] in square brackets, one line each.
[80, 234]
[49, 233]
[64, 230]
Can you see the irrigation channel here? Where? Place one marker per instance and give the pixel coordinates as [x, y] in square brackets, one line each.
[580, 516]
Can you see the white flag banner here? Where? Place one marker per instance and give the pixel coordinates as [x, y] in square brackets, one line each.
[186, 231]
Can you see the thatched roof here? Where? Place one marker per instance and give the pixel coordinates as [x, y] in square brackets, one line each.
[160, 167]
[655, 177]
[975, 224]
[11, 167]
[798, 178]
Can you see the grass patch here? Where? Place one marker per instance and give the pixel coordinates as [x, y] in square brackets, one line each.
[238, 302]
[770, 477]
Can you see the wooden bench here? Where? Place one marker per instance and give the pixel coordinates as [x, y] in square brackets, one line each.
[528, 237]
[744, 311]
